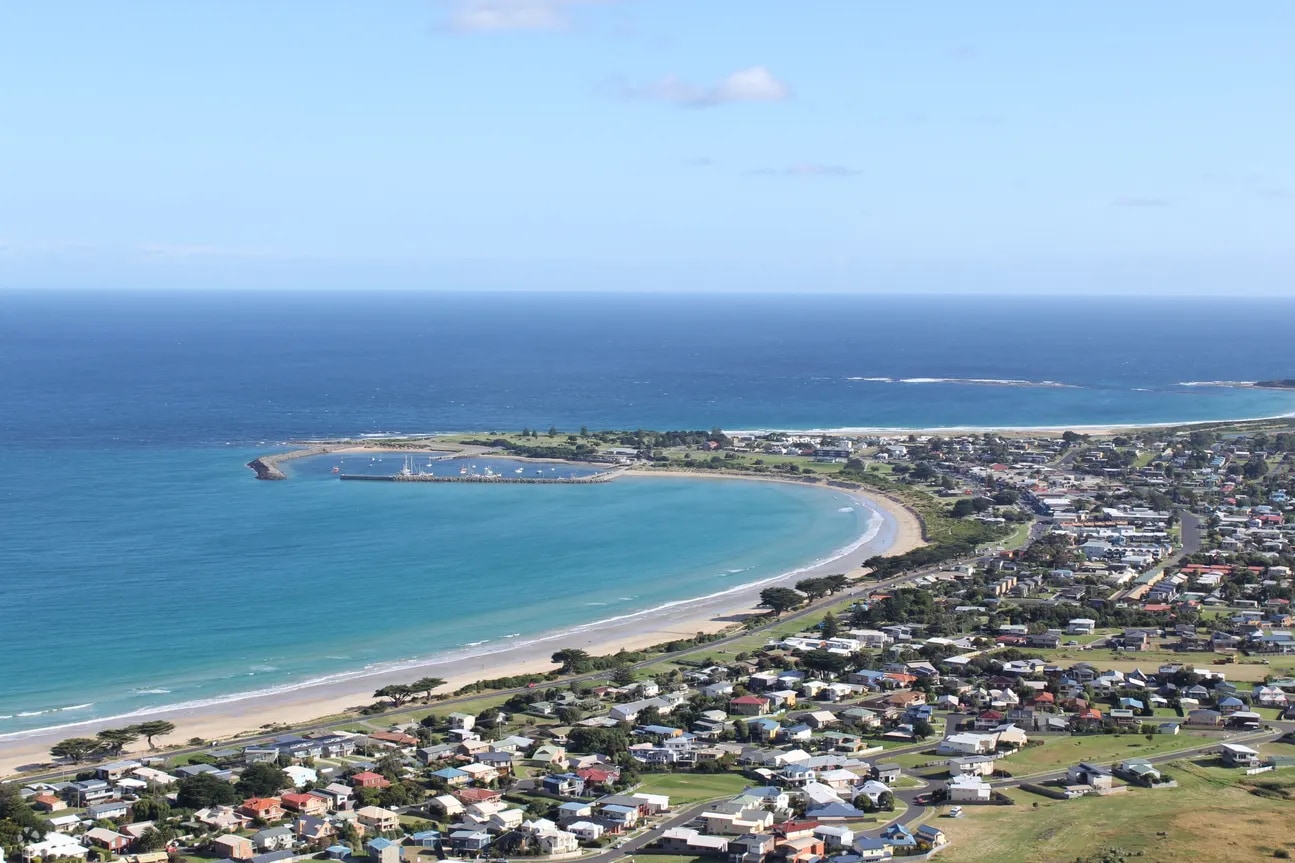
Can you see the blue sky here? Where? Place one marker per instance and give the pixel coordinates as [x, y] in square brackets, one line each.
[649, 144]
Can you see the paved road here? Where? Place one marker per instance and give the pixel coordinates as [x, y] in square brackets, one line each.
[1191, 530]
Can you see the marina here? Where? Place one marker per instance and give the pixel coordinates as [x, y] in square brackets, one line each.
[411, 472]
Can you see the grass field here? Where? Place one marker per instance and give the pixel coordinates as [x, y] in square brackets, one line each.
[1059, 753]
[685, 788]
[1247, 670]
[1207, 819]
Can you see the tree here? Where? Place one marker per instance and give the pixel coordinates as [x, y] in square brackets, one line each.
[922, 729]
[426, 685]
[155, 728]
[75, 749]
[553, 431]
[198, 792]
[19, 823]
[825, 661]
[623, 675]
[571, 659]
[830, 626]
[150, 809]
[154, 839]
[397, 693]
[780, 599]
[262, 780]
[886, 801]
[114, 740]
[812, 587]
[836, 583]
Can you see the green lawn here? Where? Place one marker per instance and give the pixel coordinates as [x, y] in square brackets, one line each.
[685, 788]
[1060, 752]
[1205, 820]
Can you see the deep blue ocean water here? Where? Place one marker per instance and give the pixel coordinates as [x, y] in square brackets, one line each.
[140, 563]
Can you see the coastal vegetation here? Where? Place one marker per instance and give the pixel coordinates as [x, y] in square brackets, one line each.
[110, 741]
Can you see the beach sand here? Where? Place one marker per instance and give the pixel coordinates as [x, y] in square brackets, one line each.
[900, 531]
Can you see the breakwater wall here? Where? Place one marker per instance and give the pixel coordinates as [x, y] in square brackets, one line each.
[267, 466]
[604, 476]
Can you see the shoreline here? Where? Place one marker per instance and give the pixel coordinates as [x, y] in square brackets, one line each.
[893, 530]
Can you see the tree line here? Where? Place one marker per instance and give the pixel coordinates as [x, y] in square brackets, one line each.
[110, 742]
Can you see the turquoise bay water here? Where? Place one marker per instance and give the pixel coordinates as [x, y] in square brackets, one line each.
[153, 577]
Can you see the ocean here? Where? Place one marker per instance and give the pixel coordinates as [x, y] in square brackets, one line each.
[141, 565]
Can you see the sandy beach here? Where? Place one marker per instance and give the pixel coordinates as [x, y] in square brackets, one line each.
[899, 531]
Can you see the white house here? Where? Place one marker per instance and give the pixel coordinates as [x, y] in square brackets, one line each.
[968, 789]
[968, 744]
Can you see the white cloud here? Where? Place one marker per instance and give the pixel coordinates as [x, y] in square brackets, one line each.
[756, 84]
[494, 16]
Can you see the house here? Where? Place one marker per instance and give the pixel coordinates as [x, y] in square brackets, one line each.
[750, 848]
[548, 754]
[54, 846]
[968, 744]
[748, 705]
[1204, 717]
[564, 785]
[586, 831]
[305, 804]
[86, 792]
[968, 789]
[932, 837]
[110, 840]
[469, 796]
[835, 835]
[452, 776]
[233, 847]
[313, 831]
[469, 841]
[1140, 771]
[47, 803]
[887, 773]
[620, 817]
[220, 818]
[377, 818]
[462, 721]
[971, 765]
[273, 839]
[1093, 775]
[820, 719]
[898, 836]
[111, 809]
[369, 779]
[553, 841]
[300, 776]
[868, 849]
[1236, 755]
[262, 808]
[685, 840]
[340, 796]
[383, 850]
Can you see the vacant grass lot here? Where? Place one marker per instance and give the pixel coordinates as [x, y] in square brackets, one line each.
[1058, 753]
[1205, 820]
[685, 788]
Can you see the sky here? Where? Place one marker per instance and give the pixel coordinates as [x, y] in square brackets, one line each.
[817, 145]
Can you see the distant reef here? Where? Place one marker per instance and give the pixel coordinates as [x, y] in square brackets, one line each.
[1281, 384]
